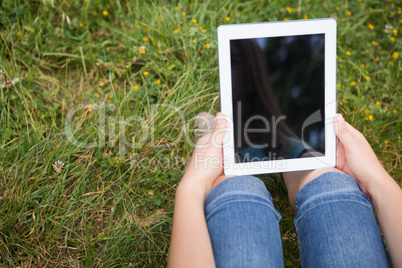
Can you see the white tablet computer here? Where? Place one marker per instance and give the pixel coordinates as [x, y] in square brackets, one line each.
[278, 91]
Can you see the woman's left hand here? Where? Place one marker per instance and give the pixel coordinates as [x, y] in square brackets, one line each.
[207, 161]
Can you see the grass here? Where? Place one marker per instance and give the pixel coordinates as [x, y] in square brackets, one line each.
[141, 71]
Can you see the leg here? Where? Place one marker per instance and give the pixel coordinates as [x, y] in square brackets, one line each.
[336, 225]
[243, 224]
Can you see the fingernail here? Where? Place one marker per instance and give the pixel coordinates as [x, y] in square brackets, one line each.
[340, 118]
[220, 116]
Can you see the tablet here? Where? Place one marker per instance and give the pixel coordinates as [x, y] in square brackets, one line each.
[278, 91]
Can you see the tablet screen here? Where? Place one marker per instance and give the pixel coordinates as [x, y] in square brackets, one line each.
[278, 86]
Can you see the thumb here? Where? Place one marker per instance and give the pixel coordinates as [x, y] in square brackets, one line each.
[342, 132]
[220, 128]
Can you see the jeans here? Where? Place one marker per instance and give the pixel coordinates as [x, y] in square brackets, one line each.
[334, 223]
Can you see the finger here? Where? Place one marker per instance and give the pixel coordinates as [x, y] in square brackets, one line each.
[354, 132]
[357, 134]
[220, 129]
[340, 155]
[343, 133]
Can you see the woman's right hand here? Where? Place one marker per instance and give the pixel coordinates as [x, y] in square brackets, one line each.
[356, 157]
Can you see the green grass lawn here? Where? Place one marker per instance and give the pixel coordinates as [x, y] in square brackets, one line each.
[128, 77]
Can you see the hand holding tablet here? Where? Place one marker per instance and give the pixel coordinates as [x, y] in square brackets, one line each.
[278, 89]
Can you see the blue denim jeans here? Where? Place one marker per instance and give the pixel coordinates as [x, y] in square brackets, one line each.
[334, 223]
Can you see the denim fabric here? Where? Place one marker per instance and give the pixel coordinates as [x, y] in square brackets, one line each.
[243, 224]
[334, 223]
[336, 226]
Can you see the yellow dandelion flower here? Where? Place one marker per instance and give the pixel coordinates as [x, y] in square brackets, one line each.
[207, 45]
[97, 95]
[371, 27]
[353, 83]
[368, 78]
[392, 39]
[369, 117]
[158, 81]
[194, 21]
[146, 73]
[18, 33]
[377, 103]
[136, 87]
[183, 13]
[194, 41]
[176, 8]
[394, 111]
[191, 5]
[367, 71]
[340, 59]
[337, 8]
[386, 141]
[391, 63]
[142, 51]
[223, 9]
[227, 19]
[105, 12]
[370, 9]
[374, 43]
[146, 29]
[305, 17]
[307, 0]
[289, 10]
[399, 10]
[362, 65]
[377, 58]
[349, 13]
[217, 17]
[400, 21]
[348, 53]
[81, 24]
[285, 18]
[138, 26]
[145, 39]
[391, 14]
[176, 31]
[213, 4]
[89, 105]
[110, 96]
[159, 18]
[367, 111]
[395, 31]
[395, 55]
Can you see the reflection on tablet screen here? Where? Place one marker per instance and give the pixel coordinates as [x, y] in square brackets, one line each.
[278, 97]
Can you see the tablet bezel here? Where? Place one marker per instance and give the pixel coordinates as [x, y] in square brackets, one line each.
[226, 33]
